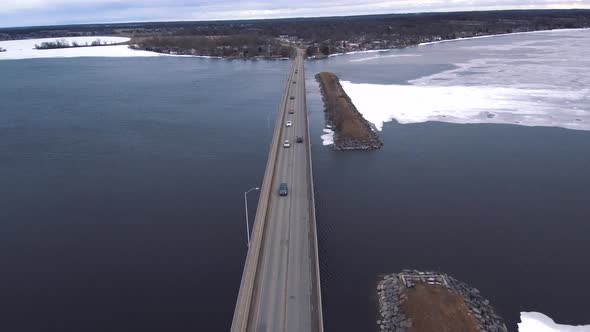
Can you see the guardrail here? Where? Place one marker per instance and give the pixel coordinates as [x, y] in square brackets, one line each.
[247, 285]
[318, 291]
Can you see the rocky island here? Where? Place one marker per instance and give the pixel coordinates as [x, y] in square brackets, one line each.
[351, 130]
[416, 301]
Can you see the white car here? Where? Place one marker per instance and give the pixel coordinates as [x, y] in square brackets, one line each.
[287, 144]
[289, 124]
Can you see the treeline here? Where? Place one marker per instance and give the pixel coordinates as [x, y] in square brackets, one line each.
[55, 32]
[62, 43]
[334, 35]
[233, 46]
[446, 24]
[325, 35]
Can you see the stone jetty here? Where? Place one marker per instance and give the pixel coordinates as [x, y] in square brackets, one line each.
[351, 130]
[416, 301]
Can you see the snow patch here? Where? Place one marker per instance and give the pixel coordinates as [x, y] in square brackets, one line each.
[358, 52]
[537, 322]
[462, 39]
[385, 56]
[499, 35]
[525, 81]
[25, 49]
[328, 137]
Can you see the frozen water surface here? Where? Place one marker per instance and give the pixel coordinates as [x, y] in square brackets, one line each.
[532, 79]
[25, 49]
[535, 79]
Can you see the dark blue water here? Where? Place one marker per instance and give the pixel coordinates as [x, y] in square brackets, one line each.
[121, 184]
[121, 190]
[504, 208]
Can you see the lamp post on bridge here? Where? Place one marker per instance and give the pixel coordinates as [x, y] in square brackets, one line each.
[247, 222]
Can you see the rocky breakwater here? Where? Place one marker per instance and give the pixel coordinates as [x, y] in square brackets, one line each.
[415, 301]
[351, 130]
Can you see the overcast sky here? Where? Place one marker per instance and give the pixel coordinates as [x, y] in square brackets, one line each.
[52, 12]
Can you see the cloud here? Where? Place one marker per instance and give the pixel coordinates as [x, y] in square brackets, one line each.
[51, 12]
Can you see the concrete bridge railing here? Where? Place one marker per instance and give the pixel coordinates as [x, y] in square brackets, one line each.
[247, 285]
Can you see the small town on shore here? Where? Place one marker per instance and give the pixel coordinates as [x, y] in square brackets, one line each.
[319, 37]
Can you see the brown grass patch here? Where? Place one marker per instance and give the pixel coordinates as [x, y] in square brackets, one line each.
[347, 121]
[436, 309]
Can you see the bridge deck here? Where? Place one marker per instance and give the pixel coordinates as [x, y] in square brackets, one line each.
[280, 289]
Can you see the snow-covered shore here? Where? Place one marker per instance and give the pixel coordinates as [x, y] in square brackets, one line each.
[25, 49]
[359, 52]
[455, 40]
[498, 35]
[537, 322]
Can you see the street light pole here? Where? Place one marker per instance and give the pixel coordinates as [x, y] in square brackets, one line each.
[247, 222]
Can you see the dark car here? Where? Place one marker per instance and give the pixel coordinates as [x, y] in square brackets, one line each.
[292, 97]
[283, 189]
[299, 139]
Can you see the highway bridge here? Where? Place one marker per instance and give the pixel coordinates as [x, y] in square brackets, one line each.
[280, 287]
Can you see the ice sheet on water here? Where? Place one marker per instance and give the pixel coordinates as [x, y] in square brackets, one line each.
[499, 36]
[470, 104]
[385, 57]
[357, 52]
[328, 137]
[533, 86]
[25, 49]
[537, 322]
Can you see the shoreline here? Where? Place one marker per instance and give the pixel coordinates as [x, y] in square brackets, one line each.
[30, 47]
[450, 40]
[6, 45]
[117, 47]
[499, 35]
[24, 49]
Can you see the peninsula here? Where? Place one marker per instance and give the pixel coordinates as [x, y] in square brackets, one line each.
[351, 130]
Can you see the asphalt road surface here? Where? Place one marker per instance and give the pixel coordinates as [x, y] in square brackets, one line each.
[286, 283]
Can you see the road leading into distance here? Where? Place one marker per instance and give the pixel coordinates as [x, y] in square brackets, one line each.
[280, 288]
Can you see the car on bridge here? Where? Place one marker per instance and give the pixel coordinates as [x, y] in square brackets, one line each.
[292, 97]
[283, 189]
[291, 111]
[286, 144]
[289, 124]
[299, 139]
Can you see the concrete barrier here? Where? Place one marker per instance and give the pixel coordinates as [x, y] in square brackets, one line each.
[244, 301]
[318, 290]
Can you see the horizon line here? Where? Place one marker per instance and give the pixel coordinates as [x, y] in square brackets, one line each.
[296, 17]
